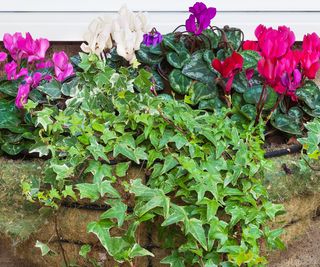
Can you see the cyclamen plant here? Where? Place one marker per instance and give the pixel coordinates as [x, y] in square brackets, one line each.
[27, 74]
[288, 71]
[25, 51]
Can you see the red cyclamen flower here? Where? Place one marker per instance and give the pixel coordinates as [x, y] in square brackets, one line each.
[229, 68]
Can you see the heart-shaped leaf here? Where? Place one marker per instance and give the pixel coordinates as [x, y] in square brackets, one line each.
[310, 94]
[200, 91]
[198, 69]
[252, 96]
[178, 60]
[250, 59]
[179, 83]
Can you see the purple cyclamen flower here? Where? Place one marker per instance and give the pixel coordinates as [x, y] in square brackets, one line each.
[292, 83]
[152, 38]
[22, 96]
[200, 18]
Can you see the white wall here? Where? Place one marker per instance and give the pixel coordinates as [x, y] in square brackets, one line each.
[66, 20]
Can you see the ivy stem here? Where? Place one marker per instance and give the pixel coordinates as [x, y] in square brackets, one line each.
[59, 241]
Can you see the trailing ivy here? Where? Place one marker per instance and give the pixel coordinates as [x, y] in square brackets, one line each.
[200, 175]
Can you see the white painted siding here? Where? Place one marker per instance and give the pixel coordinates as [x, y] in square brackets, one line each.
[66, 20]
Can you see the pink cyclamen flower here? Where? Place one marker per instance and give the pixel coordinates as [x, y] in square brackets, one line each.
[62, 67]
[33, 49]
[11, 44]
[200, 18]
[34, 80]
[3, 56]
[22, 96]
[11, 71]
[272, 70]
[44, 64]
[310, 63]
[274, 43]
[311, 43]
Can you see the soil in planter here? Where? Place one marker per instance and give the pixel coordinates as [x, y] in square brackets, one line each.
[304, 251]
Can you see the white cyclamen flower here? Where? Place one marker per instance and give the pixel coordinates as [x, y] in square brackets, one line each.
[98, 37]
[128, 30]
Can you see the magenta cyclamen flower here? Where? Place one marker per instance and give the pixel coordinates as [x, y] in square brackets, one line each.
[200, 18]
[11, 71]
[11, 44]
[22, 96]
[25, 47]
[152, 38]
[62, 67]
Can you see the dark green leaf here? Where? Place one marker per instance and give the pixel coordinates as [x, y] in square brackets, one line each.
[179, 82]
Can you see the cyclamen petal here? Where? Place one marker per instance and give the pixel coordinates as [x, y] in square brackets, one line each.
[22, 96]
[11, 43]
[229, 68]
[63, 69]
[152, 38]
[200, 18]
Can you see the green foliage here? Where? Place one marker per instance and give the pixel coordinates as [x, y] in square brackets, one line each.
[311, 145]
[185, 61]
[199, 173]
[17, 128]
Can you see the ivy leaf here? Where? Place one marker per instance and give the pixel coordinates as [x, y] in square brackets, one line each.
[68, 191]
[138, 251]
[45, 250]
[99, 171]
[178, 214]
[157, 201]
[195, 228]
[169, 163]
[90, 191]
[122, 168]
[44, 118]
[125, 151]
[40, 148]
[84, 250]
[118, 211]
[174, 260]
[106, 188]
[101, 230]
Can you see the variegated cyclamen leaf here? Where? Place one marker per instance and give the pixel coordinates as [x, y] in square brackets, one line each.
[179, 82]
